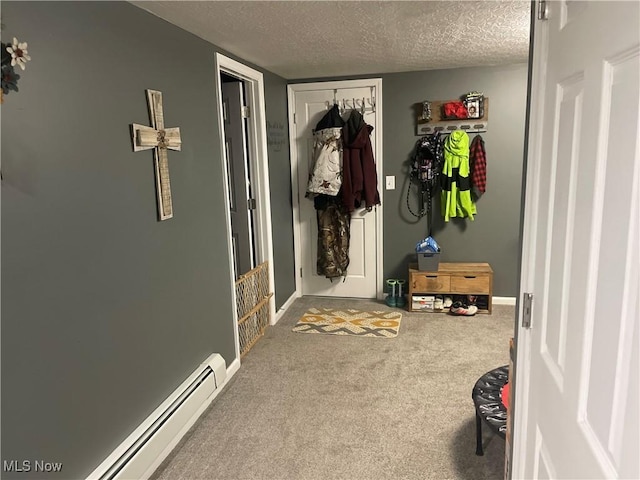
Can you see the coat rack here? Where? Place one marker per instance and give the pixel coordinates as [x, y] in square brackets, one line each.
[448, 127]
[363, 105]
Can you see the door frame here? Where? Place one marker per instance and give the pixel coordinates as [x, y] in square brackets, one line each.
[538, 58]
[258, 164]
[292, 89]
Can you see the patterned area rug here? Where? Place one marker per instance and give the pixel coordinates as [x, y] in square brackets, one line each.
[383, 324]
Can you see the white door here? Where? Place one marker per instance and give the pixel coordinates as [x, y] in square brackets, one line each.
[311, 102]
[235, 136]
[576, 405]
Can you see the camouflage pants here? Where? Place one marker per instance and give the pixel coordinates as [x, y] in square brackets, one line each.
[333, 238]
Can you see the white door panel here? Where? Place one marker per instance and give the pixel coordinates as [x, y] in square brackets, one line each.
[362, 273]
[576, 403]
[358, 256]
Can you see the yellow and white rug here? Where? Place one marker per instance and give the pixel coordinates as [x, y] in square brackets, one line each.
[383, 324]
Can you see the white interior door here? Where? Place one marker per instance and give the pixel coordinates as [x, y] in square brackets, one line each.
[576, 404]
[311, 104]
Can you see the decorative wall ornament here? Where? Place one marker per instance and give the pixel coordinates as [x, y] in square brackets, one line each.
[158, 138]
[12, 54]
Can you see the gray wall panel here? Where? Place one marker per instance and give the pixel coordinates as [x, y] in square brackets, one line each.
[493, 236]
[280, 186]
[105, 310]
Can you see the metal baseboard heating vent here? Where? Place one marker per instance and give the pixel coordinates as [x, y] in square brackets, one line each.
[143, 451]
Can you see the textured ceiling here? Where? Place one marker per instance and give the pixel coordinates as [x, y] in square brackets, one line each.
[306, 39]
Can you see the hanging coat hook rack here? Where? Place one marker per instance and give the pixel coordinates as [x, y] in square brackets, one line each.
[366, 105]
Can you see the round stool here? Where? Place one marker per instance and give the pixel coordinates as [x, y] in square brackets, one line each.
[490, 406]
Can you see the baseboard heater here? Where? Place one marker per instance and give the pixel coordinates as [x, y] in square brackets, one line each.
[143, 451]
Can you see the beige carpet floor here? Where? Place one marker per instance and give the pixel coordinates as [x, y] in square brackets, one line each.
[343, 407]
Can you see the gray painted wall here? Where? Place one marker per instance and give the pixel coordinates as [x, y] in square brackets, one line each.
[493, 236]
[280, 186]
[105, 310]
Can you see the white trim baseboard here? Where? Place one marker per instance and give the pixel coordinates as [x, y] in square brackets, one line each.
[231, 370]
[157, 447]
[504, 300]
[282, 310]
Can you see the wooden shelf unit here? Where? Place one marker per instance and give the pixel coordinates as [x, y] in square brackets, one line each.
[447, 125]
[452, 279]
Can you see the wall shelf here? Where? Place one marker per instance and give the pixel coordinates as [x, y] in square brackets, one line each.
[439, 124]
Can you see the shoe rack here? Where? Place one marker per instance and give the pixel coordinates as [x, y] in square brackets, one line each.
[451, 279]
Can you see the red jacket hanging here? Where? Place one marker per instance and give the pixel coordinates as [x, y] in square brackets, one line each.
[360, 180]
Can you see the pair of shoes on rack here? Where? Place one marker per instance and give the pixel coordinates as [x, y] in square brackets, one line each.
[438, 304]
[459, 308]
[441, 303]
[395, 298]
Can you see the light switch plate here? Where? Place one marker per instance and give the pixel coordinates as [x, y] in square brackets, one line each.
[391, 182]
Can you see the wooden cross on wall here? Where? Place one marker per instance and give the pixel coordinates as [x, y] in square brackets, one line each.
[160, 139]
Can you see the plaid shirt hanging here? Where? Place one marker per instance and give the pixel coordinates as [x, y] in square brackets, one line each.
[478, 160]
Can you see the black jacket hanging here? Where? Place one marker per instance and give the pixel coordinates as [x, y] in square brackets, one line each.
[331, 119]
[426, 168]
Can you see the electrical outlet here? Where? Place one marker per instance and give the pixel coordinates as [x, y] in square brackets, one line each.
[391, 182]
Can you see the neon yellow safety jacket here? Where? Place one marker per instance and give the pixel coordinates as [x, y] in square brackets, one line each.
[456, 186]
